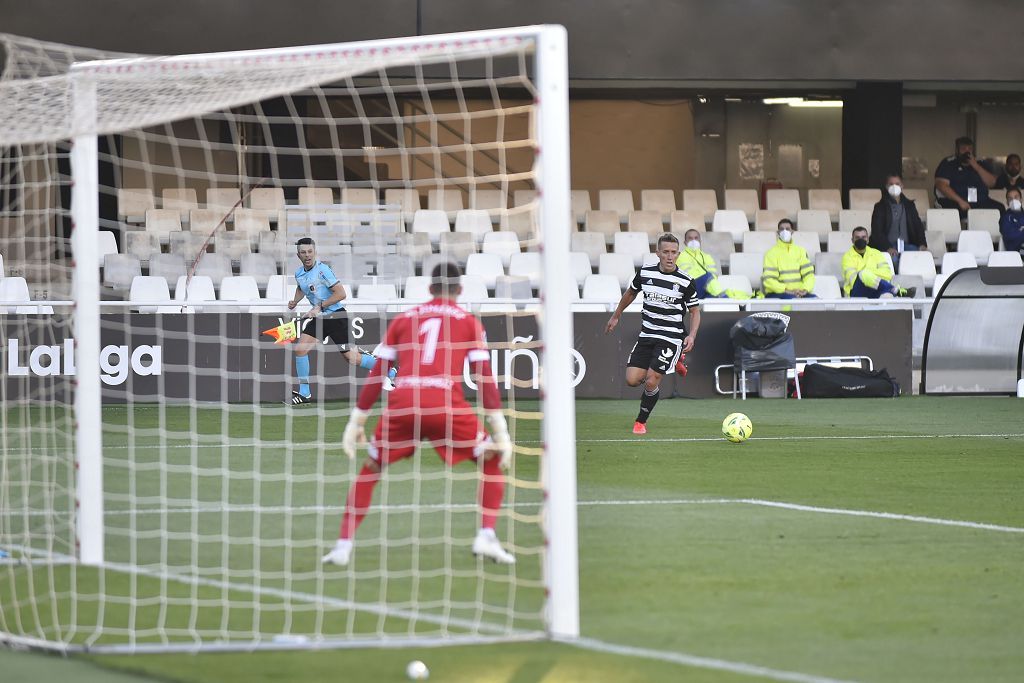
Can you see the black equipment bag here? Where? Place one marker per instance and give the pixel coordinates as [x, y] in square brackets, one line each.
[762, 342]
[823, 381]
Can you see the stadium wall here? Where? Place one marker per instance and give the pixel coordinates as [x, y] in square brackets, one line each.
[227, 359]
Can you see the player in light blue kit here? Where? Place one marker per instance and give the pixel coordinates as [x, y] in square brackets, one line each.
[325, 320]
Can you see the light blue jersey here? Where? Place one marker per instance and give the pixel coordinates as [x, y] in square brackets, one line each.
[316, 284]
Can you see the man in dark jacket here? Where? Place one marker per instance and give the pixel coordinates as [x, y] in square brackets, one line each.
[895, 223]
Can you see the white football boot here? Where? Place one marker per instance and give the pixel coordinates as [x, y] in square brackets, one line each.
[486, 545]
[340, 554]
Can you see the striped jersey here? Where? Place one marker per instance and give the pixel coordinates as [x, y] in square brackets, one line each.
[667, 297]
[316, 284]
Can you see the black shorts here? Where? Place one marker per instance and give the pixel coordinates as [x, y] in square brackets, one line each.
[656, 354]
[333, 326]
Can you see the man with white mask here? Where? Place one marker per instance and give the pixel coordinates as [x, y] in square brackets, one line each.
[896, 225]
[1011, 226]
[702, 269]
[787, 272]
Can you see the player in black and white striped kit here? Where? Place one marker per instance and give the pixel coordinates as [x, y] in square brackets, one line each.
[668, 294]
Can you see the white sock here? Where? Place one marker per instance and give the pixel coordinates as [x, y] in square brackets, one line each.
[343, 543]
[486, 532]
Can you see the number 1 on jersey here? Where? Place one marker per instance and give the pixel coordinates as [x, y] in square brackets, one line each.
[431, 330]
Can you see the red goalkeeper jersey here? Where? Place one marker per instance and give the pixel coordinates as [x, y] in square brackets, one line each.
[430, 345]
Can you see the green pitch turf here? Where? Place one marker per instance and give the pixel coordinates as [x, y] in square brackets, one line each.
[708, 559]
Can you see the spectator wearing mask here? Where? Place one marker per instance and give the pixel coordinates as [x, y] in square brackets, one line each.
[1011, 225]
[702, 269]
[896, 225]
[866, 271]
[1010, 177]
[787, 273]
[962, 183]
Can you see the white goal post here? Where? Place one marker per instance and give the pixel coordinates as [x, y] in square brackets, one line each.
[151, 94]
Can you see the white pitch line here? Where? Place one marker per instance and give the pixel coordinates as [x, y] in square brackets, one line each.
[699, 662]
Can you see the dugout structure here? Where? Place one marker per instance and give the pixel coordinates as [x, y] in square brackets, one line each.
[975, 336]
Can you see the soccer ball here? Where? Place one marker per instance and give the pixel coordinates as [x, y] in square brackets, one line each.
[737, 427]
[417, 671]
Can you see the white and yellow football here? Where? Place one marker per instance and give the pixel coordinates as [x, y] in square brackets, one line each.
[737, 428]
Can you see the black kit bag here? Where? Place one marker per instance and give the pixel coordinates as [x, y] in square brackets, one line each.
[823, 381]
[762, 342]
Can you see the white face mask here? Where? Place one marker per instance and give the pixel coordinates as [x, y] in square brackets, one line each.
[895, 191]
[1015, 205]
[693, 244]
[785, 235]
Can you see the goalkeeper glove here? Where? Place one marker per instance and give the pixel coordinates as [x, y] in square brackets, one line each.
[499, 435]
[354, 434]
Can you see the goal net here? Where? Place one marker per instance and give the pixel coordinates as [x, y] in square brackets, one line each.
[159, 489]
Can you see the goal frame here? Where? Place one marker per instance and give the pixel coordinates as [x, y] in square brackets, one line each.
[552, 165]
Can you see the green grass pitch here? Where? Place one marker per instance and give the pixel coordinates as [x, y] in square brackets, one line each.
[856, 540]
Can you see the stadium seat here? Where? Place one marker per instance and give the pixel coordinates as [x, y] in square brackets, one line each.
[829, 200]
[827, 287]
[503, 244]
[730, 221]
[393, 268]
[784, 200]
[251, 223]
[579, 266]
[526, 265]
[998, 196]
[523, 224]
[946, 221]
[268, 203]
[681, 221]
[431, 222]
[647, 222]
[957, 260]
[359, 197]
[457, 246]
[619, 201]
[619, 266]
[2, 273]
[590, 243]
[474, 221]
[865, 198]
[940, 279]
[259, 267]
[817, 220]
[936, 241]
[984, 219]
[759, 241]
[150, 289]
[133, 203]
[743, 200]
[719, 245]
[142, 245]
[223, 199]
[168, 266]
[854, 218]
[976, 242]
[406, 199]
[580, 204]
[602, 222]
[187, 244]
[242, 288]
[635, 244]
[839, 242]
[523, 197]
[205, 221]
[810, 240]
[119, 269]
[15, 290]
[602, 288]
[509, 287]
[492, 201]
[737, 282]
[829, 263]
[280, 289]
[234, 245]
[415, 246]
[486, 266]
[215, 266]
[661, 201]
[1004, 259]
[922, 199]
[377, 292]
[748, 263]
[417, 289]
[446, 199]
[769, 220]
[162, 222]
[180, 199]
[316, 196]
[106, 243]
[474, 290]
[200, 288]
[918, 263]
[705, 201]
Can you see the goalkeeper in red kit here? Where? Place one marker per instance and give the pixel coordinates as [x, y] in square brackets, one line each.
[431, 343]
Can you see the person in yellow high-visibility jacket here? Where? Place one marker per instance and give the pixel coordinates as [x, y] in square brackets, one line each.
[866, 271]
[787, 273]
[700, 266]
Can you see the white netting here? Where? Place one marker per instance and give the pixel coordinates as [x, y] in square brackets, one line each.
[218, 498]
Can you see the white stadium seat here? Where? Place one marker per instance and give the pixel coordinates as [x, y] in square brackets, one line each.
[619, 201]
[733, 222]
[619, 266]
[743, 200]
[787, 200]
[976, 242]
[705, 201]
[635, 244]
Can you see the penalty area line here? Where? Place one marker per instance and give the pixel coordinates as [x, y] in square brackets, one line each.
[837, 437]
[696, 661]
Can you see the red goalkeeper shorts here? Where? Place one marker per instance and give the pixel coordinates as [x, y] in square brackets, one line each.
[455, 436]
